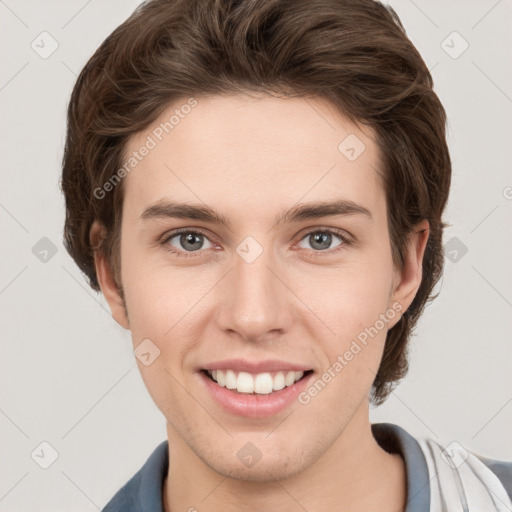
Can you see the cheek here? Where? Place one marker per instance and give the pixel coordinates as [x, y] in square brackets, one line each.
[350, 298]
[354, 303]
[164, 301]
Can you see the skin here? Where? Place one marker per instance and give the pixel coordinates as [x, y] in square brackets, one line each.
[250, 158]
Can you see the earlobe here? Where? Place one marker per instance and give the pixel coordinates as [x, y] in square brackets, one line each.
[410, 276]
[105, 276]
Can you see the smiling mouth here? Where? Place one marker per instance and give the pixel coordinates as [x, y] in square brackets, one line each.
[260, 384]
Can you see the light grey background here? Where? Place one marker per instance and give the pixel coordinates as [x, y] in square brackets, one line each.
[68, 374]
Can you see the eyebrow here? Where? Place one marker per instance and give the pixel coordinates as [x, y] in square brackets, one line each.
[300, 212]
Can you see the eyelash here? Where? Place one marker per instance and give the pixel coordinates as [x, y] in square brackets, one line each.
[190, 254]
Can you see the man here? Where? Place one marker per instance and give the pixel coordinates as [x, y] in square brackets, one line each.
[257, 189]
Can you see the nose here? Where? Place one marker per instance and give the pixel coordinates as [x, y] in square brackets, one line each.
[255, 302]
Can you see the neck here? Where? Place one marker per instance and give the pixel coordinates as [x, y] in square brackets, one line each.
[355, 474]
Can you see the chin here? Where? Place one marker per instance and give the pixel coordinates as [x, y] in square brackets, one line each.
[270, 467]
[259, 473]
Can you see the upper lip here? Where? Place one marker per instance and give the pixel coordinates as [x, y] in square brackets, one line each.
[267, 365]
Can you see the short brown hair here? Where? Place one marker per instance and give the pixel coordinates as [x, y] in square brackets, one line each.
[354, 53]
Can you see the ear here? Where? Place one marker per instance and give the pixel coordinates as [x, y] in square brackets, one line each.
[408, 279]
[105, 276]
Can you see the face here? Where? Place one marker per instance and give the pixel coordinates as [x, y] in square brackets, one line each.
[274, 293]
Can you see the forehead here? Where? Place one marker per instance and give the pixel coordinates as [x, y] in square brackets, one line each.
[249, 153]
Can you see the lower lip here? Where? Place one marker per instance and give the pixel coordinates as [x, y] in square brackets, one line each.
[253, 405]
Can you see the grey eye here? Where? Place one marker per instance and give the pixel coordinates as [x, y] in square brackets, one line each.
[188, 241]
[321, 240]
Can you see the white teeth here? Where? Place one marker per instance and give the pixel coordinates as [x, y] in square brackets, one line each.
[279, 382]
[289, 379]
[244, 383]
[221, 378]
[262, 383]
[231, 381]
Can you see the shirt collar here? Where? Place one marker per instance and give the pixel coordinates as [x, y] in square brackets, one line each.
[395, 439]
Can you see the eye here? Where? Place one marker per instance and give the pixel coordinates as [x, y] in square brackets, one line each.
[184, 242]
[320, 240]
